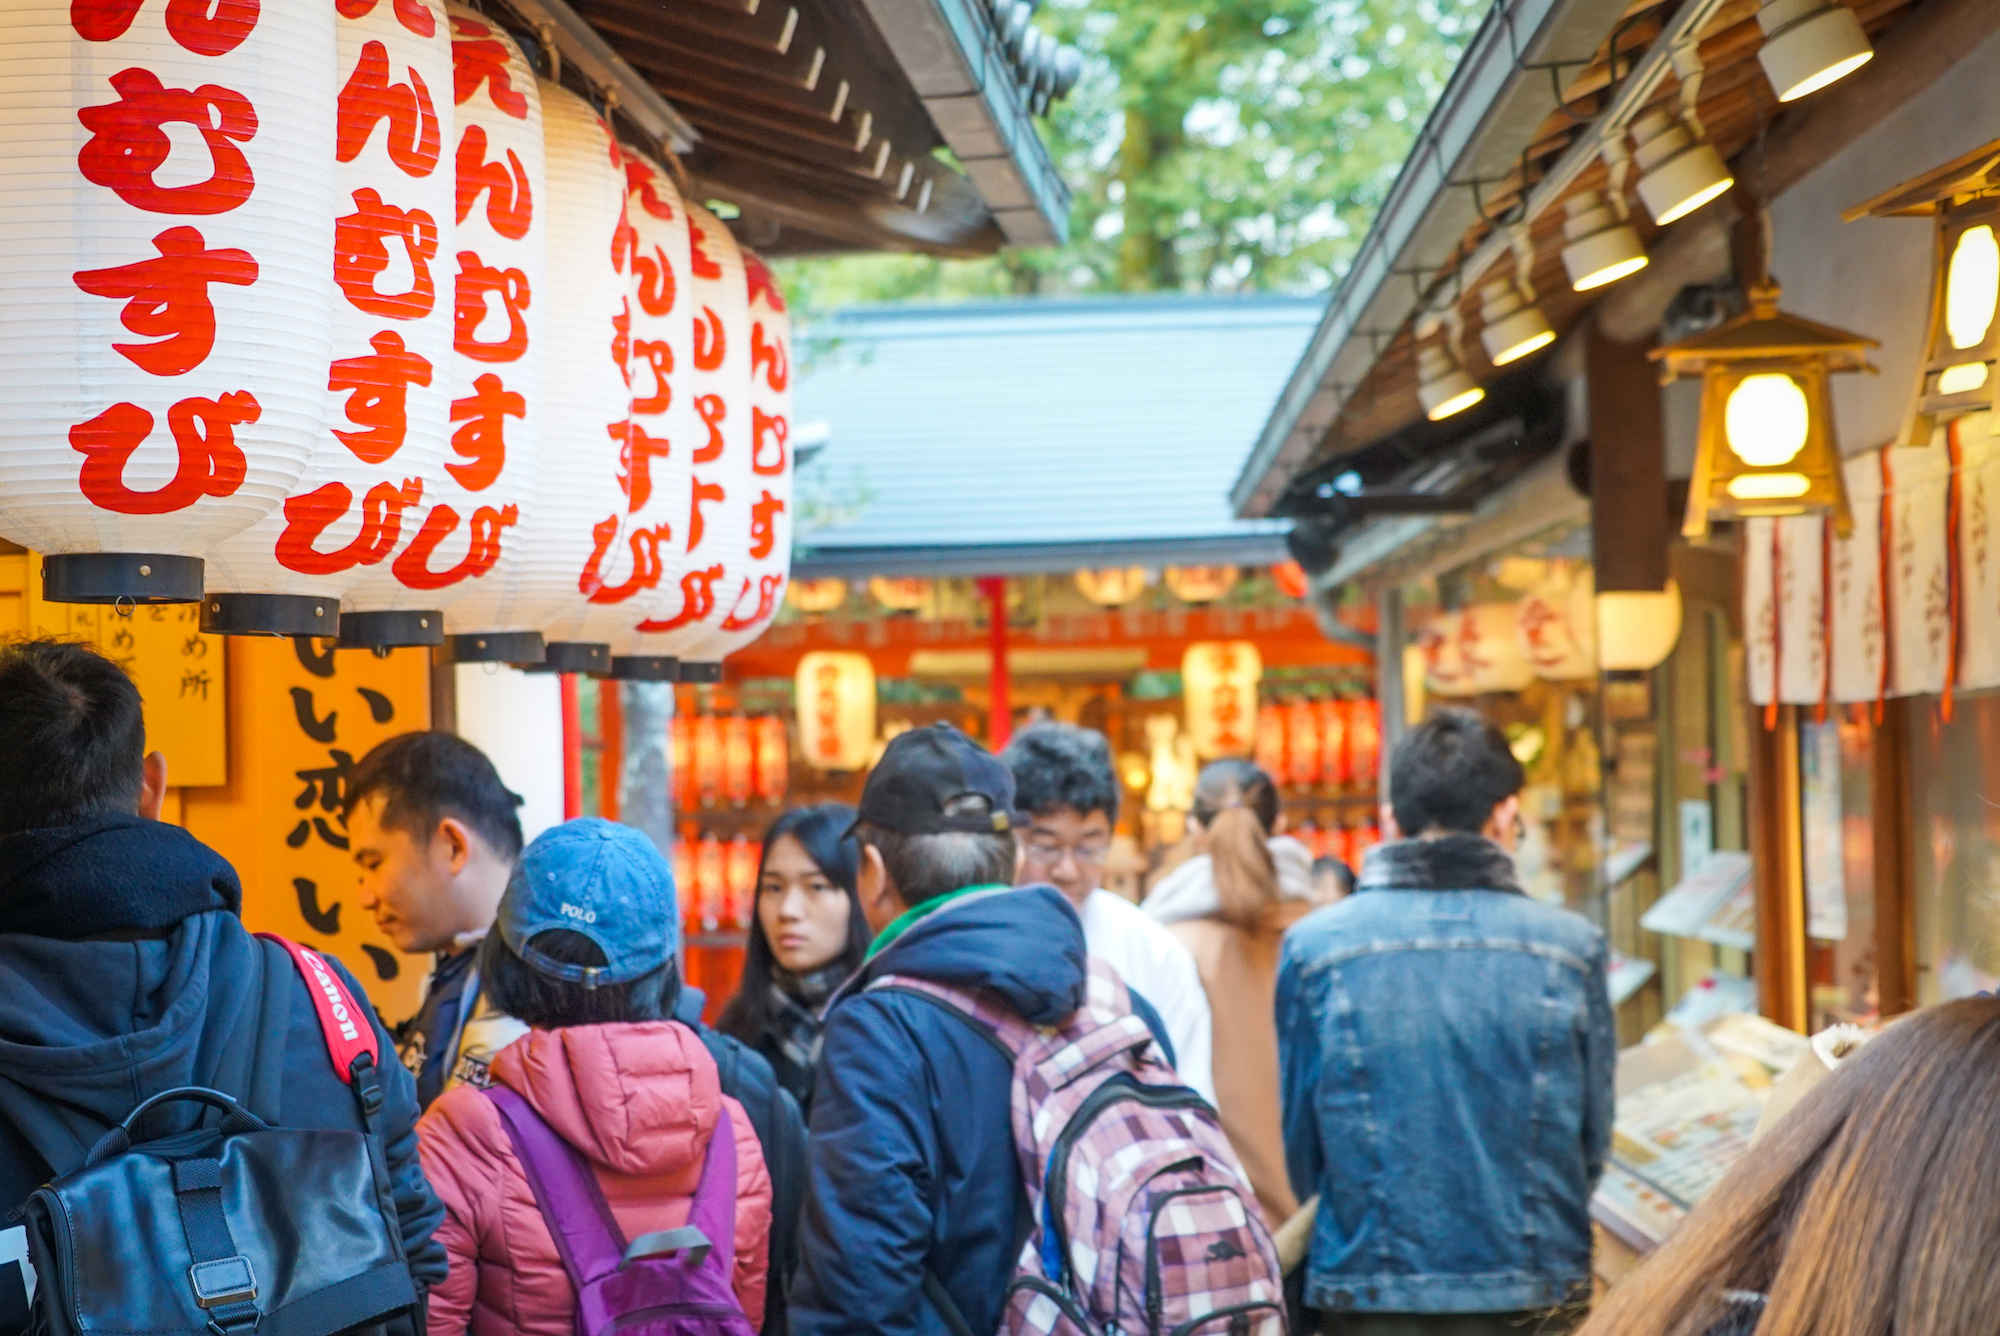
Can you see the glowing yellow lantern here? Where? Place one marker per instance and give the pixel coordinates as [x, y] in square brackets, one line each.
[1961, 369]
[1638, 630]
[1766, 444]
[899, 593]
[1200, 584]
[836, 708]
[816, 596]
[1219, 696]
[1114, 587]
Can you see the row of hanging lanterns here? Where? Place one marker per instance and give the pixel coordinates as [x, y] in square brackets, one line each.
[397, 339]
[1808, 44]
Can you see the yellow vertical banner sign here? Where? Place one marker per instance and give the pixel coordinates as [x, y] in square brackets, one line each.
[179, 671]
[300, 716]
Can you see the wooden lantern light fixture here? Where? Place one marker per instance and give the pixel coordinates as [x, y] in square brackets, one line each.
[1961, 368]
[1766, 444]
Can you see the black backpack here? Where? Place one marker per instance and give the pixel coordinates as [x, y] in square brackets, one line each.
[231, 1229]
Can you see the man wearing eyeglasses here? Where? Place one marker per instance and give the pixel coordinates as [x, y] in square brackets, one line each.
[1064, 778]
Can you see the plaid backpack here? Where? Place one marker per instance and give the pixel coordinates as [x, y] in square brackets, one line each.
[1143, 1220]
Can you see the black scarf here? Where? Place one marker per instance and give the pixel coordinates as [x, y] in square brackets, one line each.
[1455, 862]
[795, 1016]
[111, 874]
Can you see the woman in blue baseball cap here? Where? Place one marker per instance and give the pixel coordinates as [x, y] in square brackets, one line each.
[604, 1096]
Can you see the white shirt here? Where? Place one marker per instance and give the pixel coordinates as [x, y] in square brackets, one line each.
[1153, 962]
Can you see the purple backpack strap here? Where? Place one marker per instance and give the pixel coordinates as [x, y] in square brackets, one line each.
[580, 1220]
[565, 1189]
[714, 1208]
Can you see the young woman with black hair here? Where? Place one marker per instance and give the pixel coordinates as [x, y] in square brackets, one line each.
[807, 938]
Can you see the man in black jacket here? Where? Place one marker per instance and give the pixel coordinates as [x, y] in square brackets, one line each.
[124, 967]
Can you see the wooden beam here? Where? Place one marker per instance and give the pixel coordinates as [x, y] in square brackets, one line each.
[1909, 56]
[1894, 858]
[1777, 853]
[1629, 530]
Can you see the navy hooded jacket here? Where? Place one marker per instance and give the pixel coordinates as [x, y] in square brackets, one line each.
[911, 1141]
[125, 971]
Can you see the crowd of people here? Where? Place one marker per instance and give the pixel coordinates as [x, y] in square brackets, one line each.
[962, 1088]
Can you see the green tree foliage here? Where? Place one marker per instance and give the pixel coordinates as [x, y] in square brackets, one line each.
[1212, 145]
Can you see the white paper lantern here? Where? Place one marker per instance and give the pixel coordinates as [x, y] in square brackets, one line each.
[586, 401]
[165, 217]
[835, 693]
[463, 555]
[380, 454]
[1219, 696]
[665, 427]
[715, 540]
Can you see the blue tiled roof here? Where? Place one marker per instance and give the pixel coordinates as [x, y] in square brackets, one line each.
[1017, 436]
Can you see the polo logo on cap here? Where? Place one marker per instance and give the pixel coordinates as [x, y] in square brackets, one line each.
[581, 915]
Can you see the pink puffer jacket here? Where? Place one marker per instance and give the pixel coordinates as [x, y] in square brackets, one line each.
[640, 1102]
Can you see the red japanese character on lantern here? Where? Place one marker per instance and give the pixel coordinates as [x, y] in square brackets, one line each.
[129, 143]
[379, 385]
[361, 255]
[168, 298]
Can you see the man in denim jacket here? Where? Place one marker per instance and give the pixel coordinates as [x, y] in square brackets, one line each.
[1448, 1050]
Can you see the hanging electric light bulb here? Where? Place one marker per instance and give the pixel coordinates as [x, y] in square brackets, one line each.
[1602, 247]
[1808, 44]
[1442, 385]
[1679, 173]
[1511, 327]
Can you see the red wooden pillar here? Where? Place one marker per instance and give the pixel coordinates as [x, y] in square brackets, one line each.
[572, 745]
[611, 753]
[1000, 723]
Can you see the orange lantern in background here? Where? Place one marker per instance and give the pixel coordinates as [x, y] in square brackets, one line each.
[1270, 753]
[709, 762]
[1112, 587]
[740, 858]
[682, 858]
[169, 175]
[1334, 766]
[774, 758]
[835, 695]
[681, 760]
[1291, 579]
[1303, 741]
[900, 593]
[1364, 741]
[711, 880]
[1219, 695]
[1200, 584]
[817, 596]
[739, 761]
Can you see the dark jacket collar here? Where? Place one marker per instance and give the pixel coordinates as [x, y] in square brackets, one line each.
[113, 874]
[1444, 863]
[1025, 945]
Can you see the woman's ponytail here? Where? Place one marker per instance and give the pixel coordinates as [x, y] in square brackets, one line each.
[1238, 804]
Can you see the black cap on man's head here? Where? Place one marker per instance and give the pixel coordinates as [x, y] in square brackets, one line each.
[926, 768]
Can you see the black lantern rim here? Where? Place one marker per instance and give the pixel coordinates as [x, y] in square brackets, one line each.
[121, 577]
[645, 668]
[578, 656]
[391, 630]
[516, 647]
[702, 673]
[269, 615]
